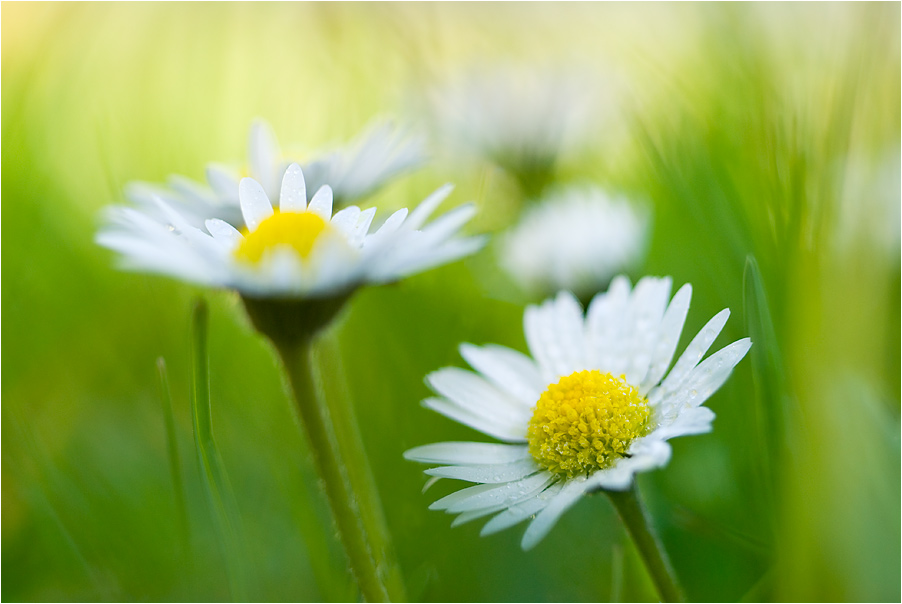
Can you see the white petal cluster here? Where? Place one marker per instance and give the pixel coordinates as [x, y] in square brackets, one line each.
[576, 239]
[378, 155]
[625, 332]
[381, 153]
[347, 257]
[512, 115]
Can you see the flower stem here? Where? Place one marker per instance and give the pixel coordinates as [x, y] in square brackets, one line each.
[634, 516]
[332, 470]
[334, 379]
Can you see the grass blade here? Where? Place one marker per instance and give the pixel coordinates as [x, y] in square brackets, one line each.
[175, 461]
[222, 505]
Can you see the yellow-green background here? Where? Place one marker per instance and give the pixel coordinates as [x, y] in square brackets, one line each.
[756, 131]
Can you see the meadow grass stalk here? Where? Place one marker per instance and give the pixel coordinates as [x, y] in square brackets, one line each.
[635, 518]
[221, 500]
[771, 388]
[175, 460]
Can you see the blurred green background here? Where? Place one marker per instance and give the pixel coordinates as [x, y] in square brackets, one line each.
[766, 138]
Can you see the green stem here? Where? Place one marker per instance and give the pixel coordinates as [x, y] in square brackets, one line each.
[333, 470]
[634, 516]
[175, 462]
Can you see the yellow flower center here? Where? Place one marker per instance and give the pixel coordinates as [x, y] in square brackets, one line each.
[585, 422]
[296, 230]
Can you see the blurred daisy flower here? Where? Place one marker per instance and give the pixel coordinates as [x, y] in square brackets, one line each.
[520, 119]
[295, 263]
[353, 172]
[576, 239]
[297, 250]
[590, 410]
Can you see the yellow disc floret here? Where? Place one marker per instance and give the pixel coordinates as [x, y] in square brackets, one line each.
[296, 230]
[585, 422]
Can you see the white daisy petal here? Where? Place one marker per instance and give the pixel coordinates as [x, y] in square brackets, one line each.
[255, 206]
[467, 453]
[447, 225]
[448, 500]
[423, 211]
[548, 517]
[346, 220]
[507, 369]
[695, 420]
[711, 373]
[293, 194]
[554, 335]
[503, 494]
[358, 233]
[691, 356]
[646, 453]
[509, 431]
[605, 326]
[518, 513]
[569, 322]
[616, 478]
[494, 473]
[321, 203]
[444, 253]
[223, 231]
[471, 392]
[648, 305]
[526, 491]
[388, 228]
[668, 337]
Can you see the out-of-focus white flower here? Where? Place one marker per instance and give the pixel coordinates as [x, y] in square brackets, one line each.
[518, 118]
[575, 239]
[299, 250]
[353, 172]
[591, 409]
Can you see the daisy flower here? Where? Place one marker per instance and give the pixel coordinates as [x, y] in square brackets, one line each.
[353, 172]
[300, 250]
[520, 119]
[590, 410]
[294, 266]
[576, 239]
